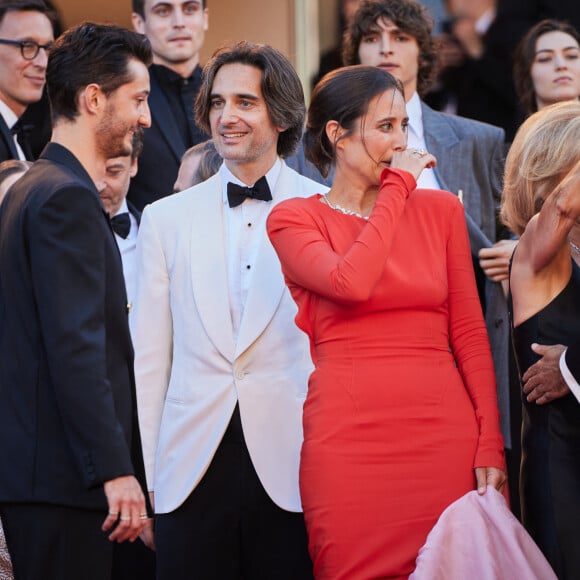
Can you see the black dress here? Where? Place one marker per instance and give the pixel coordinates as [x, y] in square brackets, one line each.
[550, 470]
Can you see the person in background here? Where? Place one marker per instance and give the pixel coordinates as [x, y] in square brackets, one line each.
[70, 450]
[381, 272]
[11, 171]
[221, 367]
[198, 163]
[124, 216]
[25, 36]
[541, 203]
[176, 30]
[547, 65]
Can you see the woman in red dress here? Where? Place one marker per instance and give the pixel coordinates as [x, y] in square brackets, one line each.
[401, 417]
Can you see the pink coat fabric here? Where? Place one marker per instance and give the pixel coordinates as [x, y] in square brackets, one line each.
[478, 538]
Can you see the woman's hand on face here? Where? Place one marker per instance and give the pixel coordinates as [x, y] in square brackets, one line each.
[413, 161]
[489, 476]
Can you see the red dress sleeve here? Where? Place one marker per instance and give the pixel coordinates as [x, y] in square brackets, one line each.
[310, 262]
[470, 343]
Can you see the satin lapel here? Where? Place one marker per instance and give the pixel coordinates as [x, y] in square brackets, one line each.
[440, 140]
[7, 137]
[209, 278]
[164, 121]
[268, 284]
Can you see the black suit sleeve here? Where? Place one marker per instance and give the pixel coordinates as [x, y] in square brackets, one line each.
[69, 266]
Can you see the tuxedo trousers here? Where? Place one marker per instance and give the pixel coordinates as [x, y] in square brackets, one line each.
[229, 528]
[49, 542]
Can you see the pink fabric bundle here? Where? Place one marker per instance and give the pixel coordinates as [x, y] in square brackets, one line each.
[478, 538]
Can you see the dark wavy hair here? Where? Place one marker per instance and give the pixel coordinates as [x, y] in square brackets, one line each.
[525, 55]
[411, 17]
[91, 53]
[25, 6]
[343, 95]
[281, 88]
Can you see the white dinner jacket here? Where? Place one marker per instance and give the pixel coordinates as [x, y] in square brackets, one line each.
[189, 369]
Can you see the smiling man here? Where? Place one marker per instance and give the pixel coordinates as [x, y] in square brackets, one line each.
[176, 30]
[222, 369]
[25, 35]
[69, 441]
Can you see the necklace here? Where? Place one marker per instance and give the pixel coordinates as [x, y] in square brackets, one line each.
[574, 246]
[345, 211]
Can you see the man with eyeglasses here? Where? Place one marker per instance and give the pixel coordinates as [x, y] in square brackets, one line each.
[26, 34]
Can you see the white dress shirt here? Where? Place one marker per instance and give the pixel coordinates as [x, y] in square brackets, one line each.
[127, 247]
[11, 119]
[416, 140]
[569, 377]
[245, 227]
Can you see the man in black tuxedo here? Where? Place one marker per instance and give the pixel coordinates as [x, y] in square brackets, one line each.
[70, 450]
[25, 35]
[176, 29]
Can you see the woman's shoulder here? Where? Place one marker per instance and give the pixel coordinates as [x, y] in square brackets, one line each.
[295, 208]
[440, 197]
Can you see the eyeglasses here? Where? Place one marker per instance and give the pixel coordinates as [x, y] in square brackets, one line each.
[28, 48]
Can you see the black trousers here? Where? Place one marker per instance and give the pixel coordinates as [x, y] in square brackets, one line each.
[56, 543]
[229, 528]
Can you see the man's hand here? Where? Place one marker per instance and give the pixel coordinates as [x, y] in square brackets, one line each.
[126, 509]
[495, 261]
[543, 381]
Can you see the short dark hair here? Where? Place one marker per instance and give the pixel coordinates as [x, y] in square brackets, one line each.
[524, 57]
[138, 7]
[91, 53]
[411, 17]
[343, 95]
[281, 88]
[25, 6]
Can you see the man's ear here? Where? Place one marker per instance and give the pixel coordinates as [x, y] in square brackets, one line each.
[138, 23]
[91, 99]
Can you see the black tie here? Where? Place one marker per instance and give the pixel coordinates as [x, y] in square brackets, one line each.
[238, 193]
[121, 224]
[21, 131]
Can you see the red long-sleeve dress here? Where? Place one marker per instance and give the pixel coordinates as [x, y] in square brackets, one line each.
[401, 405]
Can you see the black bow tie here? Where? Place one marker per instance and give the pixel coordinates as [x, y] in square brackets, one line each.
[238, 193]
[22, 132]
[121, 224]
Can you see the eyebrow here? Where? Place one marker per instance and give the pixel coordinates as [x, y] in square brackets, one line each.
[554, 50]
[246, 96]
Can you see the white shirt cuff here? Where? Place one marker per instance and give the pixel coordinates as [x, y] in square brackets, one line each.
[568, 377]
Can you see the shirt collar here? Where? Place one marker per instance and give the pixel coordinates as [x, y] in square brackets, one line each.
[10, 117]
[483, 23]
[167, 76]
[124, 208]
[228, 177]
[415, 114]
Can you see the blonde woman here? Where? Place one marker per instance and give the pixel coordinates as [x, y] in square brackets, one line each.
[541, 202]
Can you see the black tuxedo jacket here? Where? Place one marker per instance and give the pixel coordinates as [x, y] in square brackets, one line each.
[68, 419]
[7, 146]
[163, 147]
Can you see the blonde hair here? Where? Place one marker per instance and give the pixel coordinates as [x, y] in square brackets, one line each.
[545, 148]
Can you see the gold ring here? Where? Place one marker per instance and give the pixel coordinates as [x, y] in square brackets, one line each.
[125, 519]
[143, 517]
[114, 514]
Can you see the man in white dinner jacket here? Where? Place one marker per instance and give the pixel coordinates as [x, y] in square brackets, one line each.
[221, 368]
